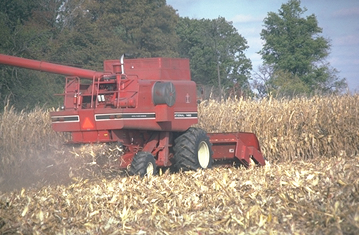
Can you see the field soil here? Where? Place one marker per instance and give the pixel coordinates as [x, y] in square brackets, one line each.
[318, 196]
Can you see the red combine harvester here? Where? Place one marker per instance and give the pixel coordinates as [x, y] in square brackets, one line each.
[147, 106]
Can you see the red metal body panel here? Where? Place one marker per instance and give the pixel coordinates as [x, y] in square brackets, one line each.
[141, 114]
[153, 68]
[243, 146]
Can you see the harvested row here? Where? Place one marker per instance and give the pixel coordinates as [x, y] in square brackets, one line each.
[306, 197]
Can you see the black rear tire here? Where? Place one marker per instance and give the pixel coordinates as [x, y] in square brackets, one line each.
[143, 163]
[192, 150]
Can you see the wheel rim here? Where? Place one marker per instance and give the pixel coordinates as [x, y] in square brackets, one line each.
[203, 154]
[149, 169]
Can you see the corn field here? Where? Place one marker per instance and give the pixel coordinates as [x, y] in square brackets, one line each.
[290, 129]
[311, 185]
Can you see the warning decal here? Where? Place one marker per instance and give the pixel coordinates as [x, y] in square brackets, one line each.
[87, 124]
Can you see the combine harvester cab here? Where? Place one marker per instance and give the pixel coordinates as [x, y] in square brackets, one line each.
[147, 106]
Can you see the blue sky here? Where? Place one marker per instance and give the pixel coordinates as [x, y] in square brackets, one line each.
[338, 19]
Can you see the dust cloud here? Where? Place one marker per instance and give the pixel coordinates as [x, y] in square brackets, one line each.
[59, 166]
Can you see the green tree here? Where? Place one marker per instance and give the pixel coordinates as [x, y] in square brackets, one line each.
[293, 45]
[216, 51]
[98, 30]
[286, 84]
[79, 33]
[26, 31]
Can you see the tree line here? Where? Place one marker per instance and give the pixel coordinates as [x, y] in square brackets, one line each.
[83, 33]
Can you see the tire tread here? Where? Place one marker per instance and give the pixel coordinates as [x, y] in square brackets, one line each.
[139, 163]
[186, 149]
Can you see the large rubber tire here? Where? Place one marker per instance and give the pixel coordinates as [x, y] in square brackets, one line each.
[192, 150]
[143, 163]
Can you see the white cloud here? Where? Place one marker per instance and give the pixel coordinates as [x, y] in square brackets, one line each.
[248, 30]
[255, 43]
[246, 18]
[348, 40]
[345, 12]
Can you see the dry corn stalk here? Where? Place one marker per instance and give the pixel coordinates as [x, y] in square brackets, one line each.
[300, 128]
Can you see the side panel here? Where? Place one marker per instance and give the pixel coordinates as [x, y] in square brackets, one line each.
[144, 114]
[243, 146]
[153, 68]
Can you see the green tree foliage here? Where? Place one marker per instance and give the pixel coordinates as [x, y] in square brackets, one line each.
[80, 33]
[295, 50]
[284, 83]
[216, 51]
[26, 31]
[99, 30]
